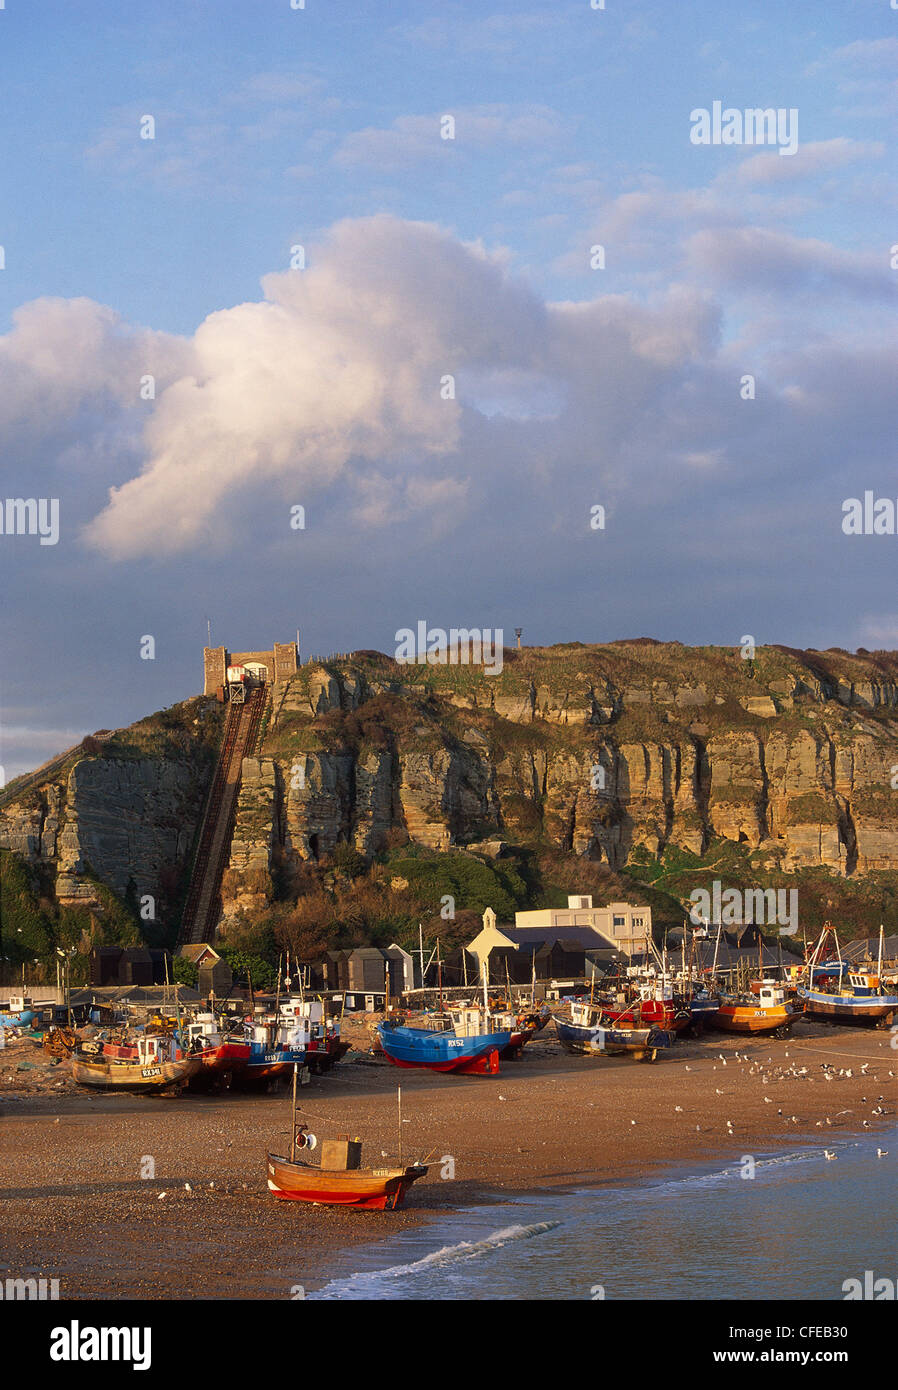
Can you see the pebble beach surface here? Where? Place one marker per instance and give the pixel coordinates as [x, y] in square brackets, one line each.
[135, 1197]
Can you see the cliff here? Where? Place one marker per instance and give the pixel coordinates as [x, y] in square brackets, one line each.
[626, 755]
[594, 751]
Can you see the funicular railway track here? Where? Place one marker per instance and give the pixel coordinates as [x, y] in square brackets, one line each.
[202, 907]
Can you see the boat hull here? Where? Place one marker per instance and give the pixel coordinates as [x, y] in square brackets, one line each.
[601, 1041]
[319, 1058]
[746, 1018]
[23, 1019]
[872, 1010]
[133, 1076]
[444, 1052]
[364, 1188]
[266, 1064]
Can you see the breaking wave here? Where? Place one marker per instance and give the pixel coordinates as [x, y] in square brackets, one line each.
[438, 1259]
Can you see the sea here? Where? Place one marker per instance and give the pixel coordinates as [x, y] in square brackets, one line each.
[786, 1226]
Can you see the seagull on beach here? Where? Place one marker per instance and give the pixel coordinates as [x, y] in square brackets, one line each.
[882, 1153]
[828, 1153]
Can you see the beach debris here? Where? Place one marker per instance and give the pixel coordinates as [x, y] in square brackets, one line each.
[678, 1109]
[161, 1195]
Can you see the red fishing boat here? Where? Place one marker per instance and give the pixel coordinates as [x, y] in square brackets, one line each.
[646, 1000]
[371, 1189]
[339, 1180]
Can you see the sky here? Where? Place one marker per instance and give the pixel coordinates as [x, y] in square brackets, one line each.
[449, 278]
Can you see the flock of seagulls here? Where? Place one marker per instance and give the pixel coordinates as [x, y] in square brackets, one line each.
[771, 1073]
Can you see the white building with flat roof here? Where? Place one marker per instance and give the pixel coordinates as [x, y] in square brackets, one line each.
[624, 926]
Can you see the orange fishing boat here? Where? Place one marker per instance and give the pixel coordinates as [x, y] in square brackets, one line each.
[372, 1189]
[339, 1180]
[769, 1012]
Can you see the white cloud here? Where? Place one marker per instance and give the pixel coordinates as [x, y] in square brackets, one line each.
[327, 391]
[809, 161]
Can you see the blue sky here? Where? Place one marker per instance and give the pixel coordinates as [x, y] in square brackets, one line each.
[574, 386]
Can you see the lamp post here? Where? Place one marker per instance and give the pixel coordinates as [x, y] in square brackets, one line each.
[65, 956]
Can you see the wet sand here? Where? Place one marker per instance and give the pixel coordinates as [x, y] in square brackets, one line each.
[75, 1206]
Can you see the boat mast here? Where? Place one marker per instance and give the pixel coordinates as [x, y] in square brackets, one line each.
[293, 1125]
[399, 1108]
[879, 965]
[486, 1002]
[716, 948]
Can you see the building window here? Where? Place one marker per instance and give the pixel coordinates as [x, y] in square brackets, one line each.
[620, 921]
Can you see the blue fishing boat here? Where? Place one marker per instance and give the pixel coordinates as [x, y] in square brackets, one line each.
[702, 1007]
[440, 1047]
[861, 1000]
[18, 1013]
[587, 1030]
[277, 1042]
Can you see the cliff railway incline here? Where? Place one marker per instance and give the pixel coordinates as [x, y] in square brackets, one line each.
[203, 905]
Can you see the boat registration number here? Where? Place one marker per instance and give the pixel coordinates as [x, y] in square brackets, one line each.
[151, 1071]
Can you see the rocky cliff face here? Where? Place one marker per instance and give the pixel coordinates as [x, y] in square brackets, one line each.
[591, 750]
[126, 813]
[596, 751]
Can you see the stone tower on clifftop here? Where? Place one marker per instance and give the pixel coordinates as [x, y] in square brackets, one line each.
[280, 664]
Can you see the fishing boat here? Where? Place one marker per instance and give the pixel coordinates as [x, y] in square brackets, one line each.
[646, 999]
[325, 1046]
[372, 1189]
[339, 1180]
[589, 1030]
[768, 1012]
[469, 1046]
[702, 1004]
[19, 1012]
[437, 1047]
[277, 1041]
[469, 1020]
[862, 1000]
[160, 1065]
